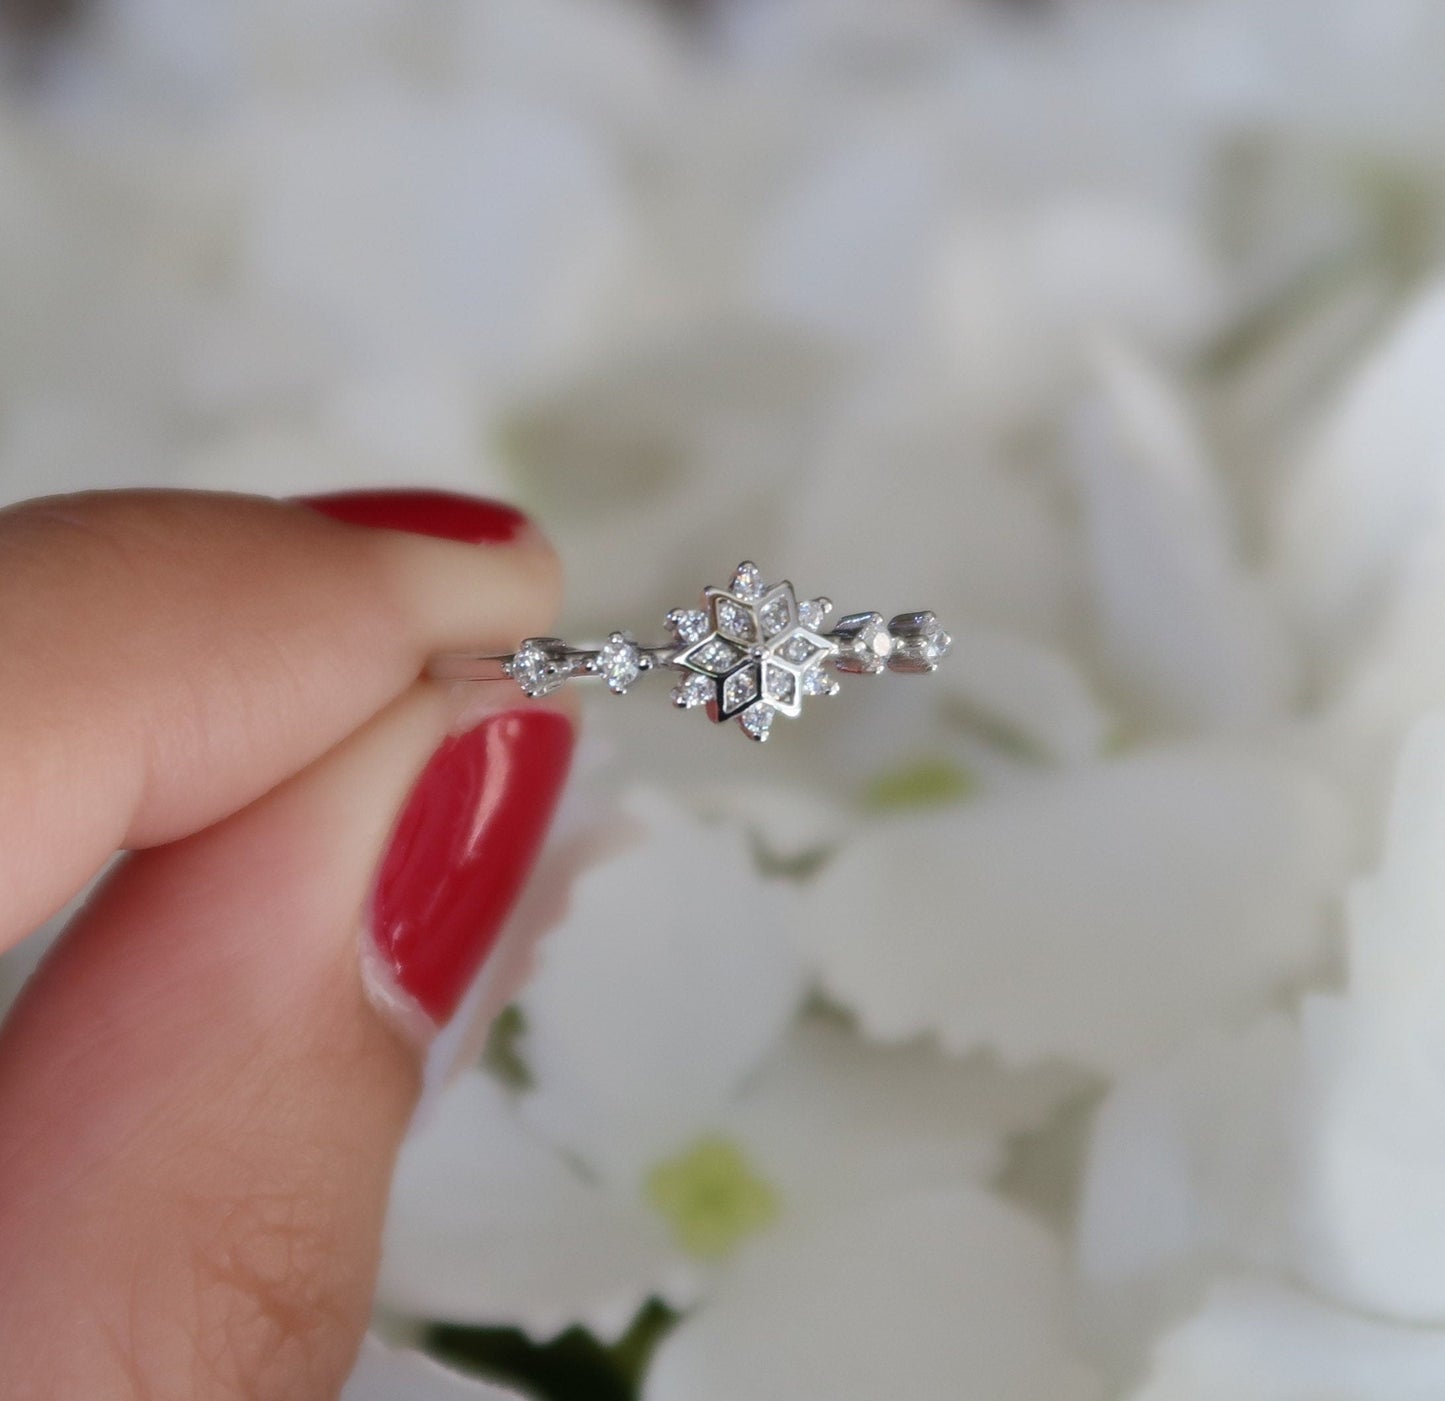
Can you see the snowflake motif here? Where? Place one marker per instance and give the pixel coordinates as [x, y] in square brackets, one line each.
[753, 652]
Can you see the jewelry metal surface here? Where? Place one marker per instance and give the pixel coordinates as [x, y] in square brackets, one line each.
[752, 652]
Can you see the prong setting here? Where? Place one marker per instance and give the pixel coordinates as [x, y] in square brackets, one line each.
[752, 652]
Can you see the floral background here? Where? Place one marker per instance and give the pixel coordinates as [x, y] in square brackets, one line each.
[1068, 1026]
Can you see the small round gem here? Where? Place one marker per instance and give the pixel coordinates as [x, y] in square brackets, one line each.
[748, 581]
[817, 682]
[690, 624]
[692, 691]
[813, 612]
[619, 663]
[757, 720]
[539, 666]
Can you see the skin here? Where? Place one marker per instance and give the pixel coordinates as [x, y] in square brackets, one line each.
[199, 1106]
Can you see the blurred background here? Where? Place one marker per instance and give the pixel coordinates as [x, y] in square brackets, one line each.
[1107, 329]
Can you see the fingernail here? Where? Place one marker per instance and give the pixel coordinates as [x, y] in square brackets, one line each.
[461, 851]
[446, 514]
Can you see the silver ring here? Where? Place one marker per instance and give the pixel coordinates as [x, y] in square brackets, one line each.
[752, 652]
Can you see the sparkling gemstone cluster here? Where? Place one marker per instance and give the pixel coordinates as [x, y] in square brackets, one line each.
[752, 652]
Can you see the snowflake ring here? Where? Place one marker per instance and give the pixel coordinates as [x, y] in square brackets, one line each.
[752, 652]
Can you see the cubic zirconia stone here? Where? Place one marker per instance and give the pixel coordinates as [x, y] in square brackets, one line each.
[740, 688]
[865, 643]
[918, 642]
[537, 666]
[775, 615]
[797, 649]
[780, 685]
[735, 621]
[693, 690]
[817, 682]
[717, 655]
[813, 612]
[619, 663]
[689, 624]
[748, 581]
[757, 720]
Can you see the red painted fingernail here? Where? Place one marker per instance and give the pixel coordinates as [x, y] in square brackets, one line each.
[446, 514]
[462, 849]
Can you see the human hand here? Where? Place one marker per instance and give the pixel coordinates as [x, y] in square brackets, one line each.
[203, 1087]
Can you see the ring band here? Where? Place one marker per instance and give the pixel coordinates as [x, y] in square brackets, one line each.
[752, 652]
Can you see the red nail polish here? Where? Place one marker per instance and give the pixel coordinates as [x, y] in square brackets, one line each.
[446, 514]
[462, 850]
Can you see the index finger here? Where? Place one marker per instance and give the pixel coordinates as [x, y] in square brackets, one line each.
[167, 657]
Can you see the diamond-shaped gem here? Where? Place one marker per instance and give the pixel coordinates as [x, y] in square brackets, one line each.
[619, 663]
[757, 720]
[748, 581]
[735, 621]
[797, 649]
[775, 615]
[739, 689]
[693, 690]
[690, 624]
[780, 685]
[716, 655]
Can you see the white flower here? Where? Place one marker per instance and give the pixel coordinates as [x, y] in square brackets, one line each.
[1370, 489]
[1189, 639]
[1312, 1150]
[1103, 913]
[1190, 1170]
[1372, 1200]
[677, 1130]
[1256, 1341]
[906, 302]
[495, 259]
[924, 1294]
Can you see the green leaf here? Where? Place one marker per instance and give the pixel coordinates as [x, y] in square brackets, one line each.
[926, 783]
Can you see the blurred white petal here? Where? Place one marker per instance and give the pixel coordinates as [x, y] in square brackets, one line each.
[391, 1374]
[484, 229]
[849, 250]
[834, 1122]
[1189, 639]
[1397, 676]
[931, 1296]
[1032, 693]
[670, 980]
[1190, 1164]
[680, 450]
[1103, 915]
[1372, 1218]
[1022, 294]
[945, 526]
[1256, 1341]
[788, 823]
[1371, 486]
[488, 1224]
